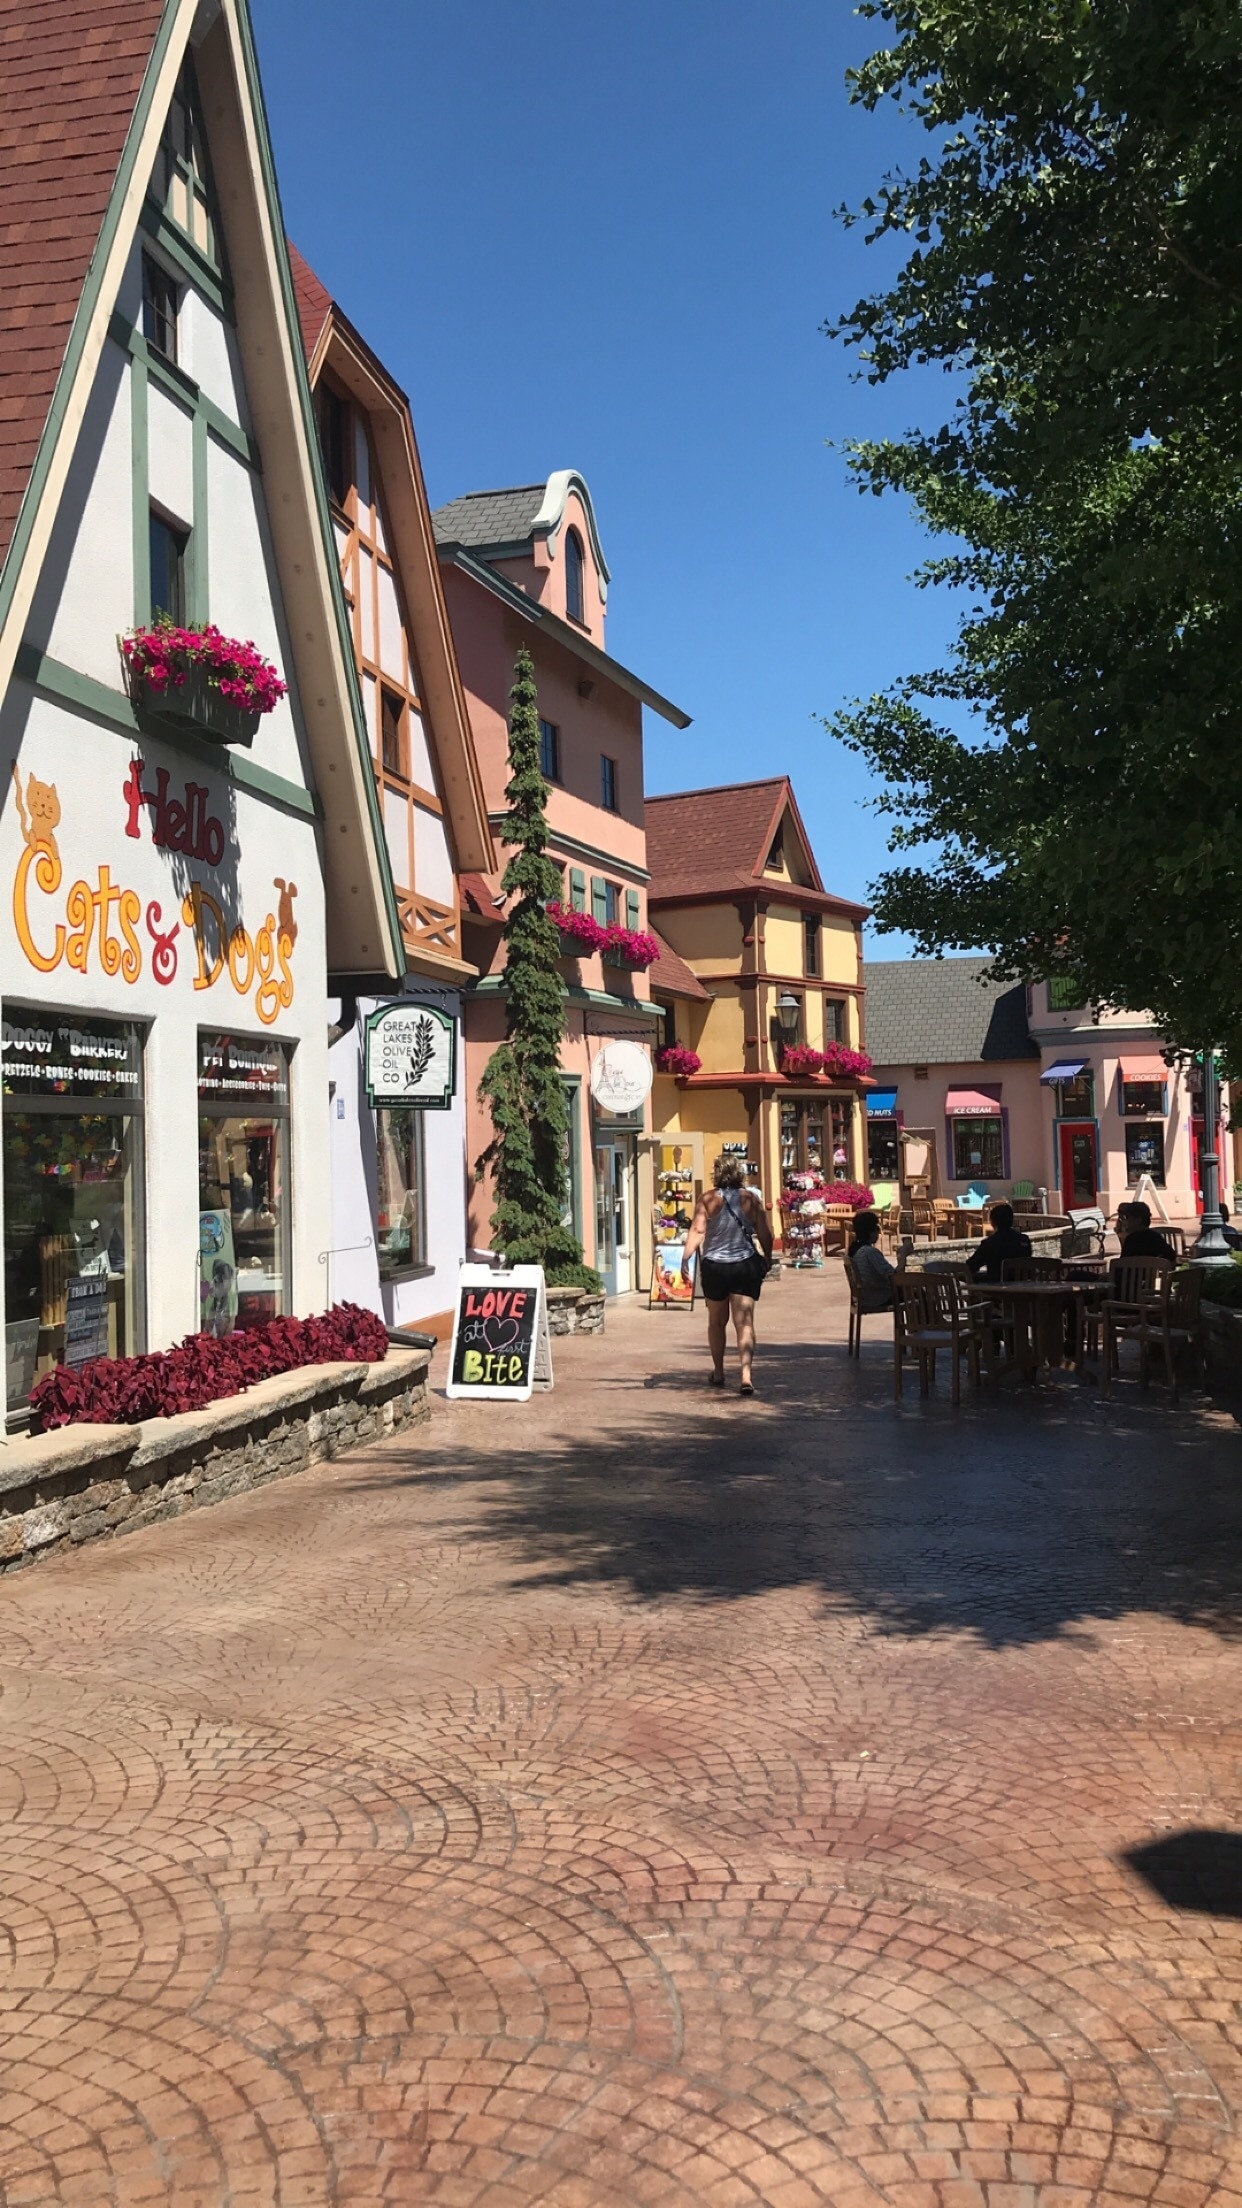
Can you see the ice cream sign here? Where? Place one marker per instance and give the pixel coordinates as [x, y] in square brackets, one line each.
[104, 926]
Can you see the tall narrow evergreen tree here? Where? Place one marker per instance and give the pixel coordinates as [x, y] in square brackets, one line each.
[522, 1082]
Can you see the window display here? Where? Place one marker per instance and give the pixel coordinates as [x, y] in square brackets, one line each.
[73, 1178]
[399, 1215]
[882, 1160]
[243, 1181]
[978, 1149]
[1145, 1154]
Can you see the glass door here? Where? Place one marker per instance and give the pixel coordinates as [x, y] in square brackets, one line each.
[605, 1217]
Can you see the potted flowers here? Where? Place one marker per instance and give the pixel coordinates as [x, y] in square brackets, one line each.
[799, 1058]
[631, 948]
[196, 678]
[677, 1059]
[581, 933]
[628, 947]
[842, 1064]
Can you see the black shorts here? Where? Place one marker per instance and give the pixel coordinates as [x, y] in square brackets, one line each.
[720, 1281]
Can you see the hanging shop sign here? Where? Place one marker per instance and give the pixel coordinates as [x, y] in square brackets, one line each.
[501, 1346]
[411, 1056]
[621, 1077]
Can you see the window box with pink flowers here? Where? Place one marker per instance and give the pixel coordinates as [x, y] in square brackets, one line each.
[677, 1059]
[200, 681]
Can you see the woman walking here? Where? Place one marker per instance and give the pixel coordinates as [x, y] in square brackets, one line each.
[729, 1223]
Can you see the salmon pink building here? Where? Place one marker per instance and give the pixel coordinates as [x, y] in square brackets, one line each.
[525, 567]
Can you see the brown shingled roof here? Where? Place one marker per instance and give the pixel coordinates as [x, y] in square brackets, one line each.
[70, 75]
[720, 834]
[314, 303]
[671, 974]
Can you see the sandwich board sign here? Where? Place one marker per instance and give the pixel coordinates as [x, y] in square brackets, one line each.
[501, 1347]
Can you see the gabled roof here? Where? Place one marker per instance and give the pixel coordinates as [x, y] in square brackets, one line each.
[943, 1011]
[70, 76]
[93, 146]
[715, 842]
[671, 976]
[331, 340]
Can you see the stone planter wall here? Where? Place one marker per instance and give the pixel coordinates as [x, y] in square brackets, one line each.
[83, 1483]
[575, 1311]
[1222, 1343]
[1045, 1242]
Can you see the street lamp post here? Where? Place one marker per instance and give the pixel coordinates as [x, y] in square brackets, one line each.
[1211, 1247]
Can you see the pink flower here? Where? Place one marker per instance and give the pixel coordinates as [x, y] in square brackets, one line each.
[159, 658]
[677, 1059]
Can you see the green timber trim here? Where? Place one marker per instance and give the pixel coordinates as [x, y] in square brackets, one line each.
[199, 545]
[186, 258]
[141, 519]
[636, 1008]
[82, 694]
[575, 849]
[183, 388]
[86, 308]
[301, 375]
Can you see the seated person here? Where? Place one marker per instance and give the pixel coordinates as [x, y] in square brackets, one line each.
[1138, 1237]
[875, 1274]
[1002, 1246]
[1232, 1237]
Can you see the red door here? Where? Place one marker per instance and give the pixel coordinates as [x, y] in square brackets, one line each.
[1079, 1187]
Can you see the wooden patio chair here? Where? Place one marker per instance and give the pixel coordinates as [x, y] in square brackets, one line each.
[930, 1313]
[1134, 1287]
[857, 1313]
[1173, 1323]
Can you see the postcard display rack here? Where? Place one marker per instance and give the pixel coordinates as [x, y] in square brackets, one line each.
[675, 1195]
[802, 1221]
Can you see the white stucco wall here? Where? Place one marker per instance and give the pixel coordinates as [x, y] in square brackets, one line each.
[355, 1271]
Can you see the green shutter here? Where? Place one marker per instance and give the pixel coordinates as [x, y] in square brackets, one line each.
[631, 908]
[577, 889]
[599, 899]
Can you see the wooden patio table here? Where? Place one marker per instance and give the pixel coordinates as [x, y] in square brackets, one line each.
[1036, 1311]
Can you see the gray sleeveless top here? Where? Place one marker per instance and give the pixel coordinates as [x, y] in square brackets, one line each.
[728, 1237]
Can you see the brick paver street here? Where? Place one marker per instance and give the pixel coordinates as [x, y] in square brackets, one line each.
[644, 1798]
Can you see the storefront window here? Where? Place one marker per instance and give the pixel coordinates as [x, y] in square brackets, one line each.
[802, 1136]
[882, 1149]
[400, 1229]
[73, 1178]
[1142, 1099]
[1145, 1154]
[978, 1149]
[1076, 1099]
[243, 1181]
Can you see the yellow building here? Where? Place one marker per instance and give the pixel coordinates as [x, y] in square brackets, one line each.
[763, 963]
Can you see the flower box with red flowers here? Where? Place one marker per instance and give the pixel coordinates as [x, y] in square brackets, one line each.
[631, 948]
[199, 680]
[843, 1064]
[677, 1059]
[799, 1058]
[582, 934]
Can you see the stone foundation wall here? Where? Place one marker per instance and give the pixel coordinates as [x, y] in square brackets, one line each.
[575, 1311]
[83, 1483]
[1045, 1242]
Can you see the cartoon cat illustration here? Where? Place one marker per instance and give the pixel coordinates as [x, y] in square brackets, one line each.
[40, 822]
[285, 923]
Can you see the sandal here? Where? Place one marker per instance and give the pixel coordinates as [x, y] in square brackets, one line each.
[747, 1388]
[715, 1379]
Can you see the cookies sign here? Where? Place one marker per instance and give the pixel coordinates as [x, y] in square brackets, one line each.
[411, 1056]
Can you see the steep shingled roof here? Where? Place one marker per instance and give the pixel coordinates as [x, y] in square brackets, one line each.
[483, 518]
[671, 974]
[70, 75]
[314, 302]
[942, 1011]
[719, 836]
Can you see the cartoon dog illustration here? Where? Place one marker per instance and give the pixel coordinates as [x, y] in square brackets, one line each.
[286, 925]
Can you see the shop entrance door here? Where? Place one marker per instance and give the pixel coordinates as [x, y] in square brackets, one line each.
[614, 1213]
[1079, 1178]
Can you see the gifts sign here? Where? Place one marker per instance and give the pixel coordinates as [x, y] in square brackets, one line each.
[500, 1333]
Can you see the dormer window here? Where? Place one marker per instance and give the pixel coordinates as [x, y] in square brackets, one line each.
[573, 576]
[775, 860]
[333, 421]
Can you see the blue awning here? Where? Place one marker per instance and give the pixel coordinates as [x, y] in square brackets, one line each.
[881, 1103]
[1065, 1069]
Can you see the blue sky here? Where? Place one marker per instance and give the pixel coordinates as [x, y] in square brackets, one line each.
[603, 238]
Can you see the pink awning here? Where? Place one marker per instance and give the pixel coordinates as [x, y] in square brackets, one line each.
[970, 1102]
[1144, 1069]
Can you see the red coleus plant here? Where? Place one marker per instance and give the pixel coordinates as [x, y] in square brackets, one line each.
[161, 657]
[676, 1058]
[119, 1391]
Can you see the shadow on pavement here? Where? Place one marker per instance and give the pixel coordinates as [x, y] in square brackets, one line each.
[1194, 1870]
[1017, 1519]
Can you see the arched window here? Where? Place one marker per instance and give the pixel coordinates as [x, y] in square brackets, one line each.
[573, 576]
